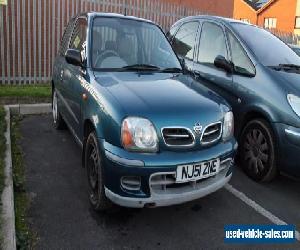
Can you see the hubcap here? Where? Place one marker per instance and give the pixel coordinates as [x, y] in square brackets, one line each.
[256, 151]
[54, 108]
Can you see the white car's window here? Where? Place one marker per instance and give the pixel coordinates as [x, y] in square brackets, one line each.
[212, 44]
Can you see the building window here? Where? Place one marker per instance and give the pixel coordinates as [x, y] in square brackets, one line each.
[297, 22]
[270, 23]
[245, 20]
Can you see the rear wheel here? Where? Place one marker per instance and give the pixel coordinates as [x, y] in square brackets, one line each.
[57, 118]
[94, 167]
[258, 151]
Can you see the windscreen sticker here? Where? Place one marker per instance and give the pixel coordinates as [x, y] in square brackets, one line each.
[76, 42]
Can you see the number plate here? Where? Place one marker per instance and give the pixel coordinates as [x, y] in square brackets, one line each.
[197, 171]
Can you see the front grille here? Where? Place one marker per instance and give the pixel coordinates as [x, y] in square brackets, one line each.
[212, 133]
[166, 184]
[178, 136]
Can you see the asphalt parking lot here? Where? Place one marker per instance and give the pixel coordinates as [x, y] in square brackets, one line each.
[61, 215]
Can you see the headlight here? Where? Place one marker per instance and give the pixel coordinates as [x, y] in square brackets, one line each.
[294, 101]
[228, 126]
[138, 134]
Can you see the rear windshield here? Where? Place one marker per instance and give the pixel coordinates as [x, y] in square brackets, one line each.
[120, 42]
[268, 49]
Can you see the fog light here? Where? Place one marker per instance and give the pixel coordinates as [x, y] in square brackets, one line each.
[131, 182]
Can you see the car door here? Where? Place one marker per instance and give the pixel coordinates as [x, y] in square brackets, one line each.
[212, 43]
[184, 42]
[72, 75]
[243, 78]
[58, 69]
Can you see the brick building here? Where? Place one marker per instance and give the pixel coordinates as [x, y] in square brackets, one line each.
[217, 7]
[243, 11]
[282, 15]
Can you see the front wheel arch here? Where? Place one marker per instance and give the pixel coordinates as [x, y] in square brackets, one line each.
[88, 127]
[256, 113]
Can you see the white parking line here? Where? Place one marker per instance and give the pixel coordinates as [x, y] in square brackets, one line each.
[274, 219]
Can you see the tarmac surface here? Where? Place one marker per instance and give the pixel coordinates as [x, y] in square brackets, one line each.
[61, 215]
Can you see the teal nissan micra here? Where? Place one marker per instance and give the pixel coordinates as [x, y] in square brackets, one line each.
[150, 135]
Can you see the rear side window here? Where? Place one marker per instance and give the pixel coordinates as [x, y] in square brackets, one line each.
[66, 38]
[242, 63]
[212, 44]
[184, 40]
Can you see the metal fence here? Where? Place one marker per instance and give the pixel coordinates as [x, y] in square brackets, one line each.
[287, 37]
[30, 31]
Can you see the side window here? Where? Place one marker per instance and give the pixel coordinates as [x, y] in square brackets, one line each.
[212, 44]
[78, 40]
[65, 39]
[242, 63]
[184, 40]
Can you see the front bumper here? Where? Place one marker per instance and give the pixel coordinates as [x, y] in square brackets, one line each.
[120, 163]
[177, 196]
[289, 148]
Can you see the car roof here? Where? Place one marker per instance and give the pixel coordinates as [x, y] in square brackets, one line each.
[224, 20]
[93, 14]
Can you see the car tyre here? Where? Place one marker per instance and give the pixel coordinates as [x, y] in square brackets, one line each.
[58, 121]
[258, 156]
[94, 167]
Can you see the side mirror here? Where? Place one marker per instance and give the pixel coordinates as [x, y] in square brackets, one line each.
[222, 63]
[73, 57]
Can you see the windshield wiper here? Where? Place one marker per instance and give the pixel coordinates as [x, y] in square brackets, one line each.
[171, 70]
[140, 67]
[287, 66]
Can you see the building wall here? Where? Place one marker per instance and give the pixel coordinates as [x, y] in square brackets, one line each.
[284, 11]
[242, 10]
[297, 31]
[216, 7]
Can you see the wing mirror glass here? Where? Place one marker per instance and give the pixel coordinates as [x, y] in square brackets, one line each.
[222, 63]
[73, 57]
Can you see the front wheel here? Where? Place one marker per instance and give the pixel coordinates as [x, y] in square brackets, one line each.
[258, 151]
[94, 167]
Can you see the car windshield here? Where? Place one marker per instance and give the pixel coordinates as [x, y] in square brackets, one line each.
[297, 51]
[268, 49]
[121, 44]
